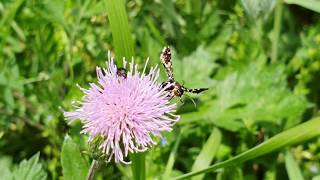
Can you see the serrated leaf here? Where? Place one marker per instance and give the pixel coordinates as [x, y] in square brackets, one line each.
[74, 167]
[249, 96]
[30, 170]
[195, 70]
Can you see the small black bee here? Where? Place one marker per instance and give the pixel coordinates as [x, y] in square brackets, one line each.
[175, 89]
[122, 72]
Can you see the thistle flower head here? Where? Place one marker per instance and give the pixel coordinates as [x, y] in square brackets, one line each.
[126, 111]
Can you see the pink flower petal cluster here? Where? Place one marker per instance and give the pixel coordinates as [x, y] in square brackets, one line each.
[128, 112]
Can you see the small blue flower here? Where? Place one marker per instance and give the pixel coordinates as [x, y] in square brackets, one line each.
[163, 141]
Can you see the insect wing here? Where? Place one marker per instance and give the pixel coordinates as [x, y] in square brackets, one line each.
[166, 61]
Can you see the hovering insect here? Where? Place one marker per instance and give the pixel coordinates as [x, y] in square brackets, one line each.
[175, 89]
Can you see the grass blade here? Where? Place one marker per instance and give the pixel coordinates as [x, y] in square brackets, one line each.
[123, 44]
[292, 167]
[313, 5]
[207, 153]
[172, 158]
[276, 31]
[10, 13]
[138, 166]
[294, 135]
[118, 19]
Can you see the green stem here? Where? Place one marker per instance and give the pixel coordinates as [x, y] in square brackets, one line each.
[93, 169]
[300, 133]
[172, 158]
[276, 31]
[123, 45]
[138, 166]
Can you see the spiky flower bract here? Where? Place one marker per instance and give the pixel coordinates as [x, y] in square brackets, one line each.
[127, 112]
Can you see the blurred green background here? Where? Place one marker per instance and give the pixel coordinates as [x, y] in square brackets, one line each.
[260, 59]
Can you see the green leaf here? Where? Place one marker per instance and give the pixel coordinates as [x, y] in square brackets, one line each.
[298, 134]
[5, 172]
[209, 27]
[53, 10]
[120, 28]
[73, 164]
[138, 166]
[207, 153]
[248, 96]
[171, 18]
[10, 13]
[154, 31]
[172, 158]
[8, 97]
[199, 67]
[256, 9]
[30, 170]
[313, 5]
[316, 178]
[276, 31]
[292, 167]
[230, 173]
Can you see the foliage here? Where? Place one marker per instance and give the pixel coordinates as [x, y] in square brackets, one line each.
[27, 169]
[263, 79]
[74, 166]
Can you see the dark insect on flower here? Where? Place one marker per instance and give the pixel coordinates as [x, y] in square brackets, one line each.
[122, 72]
[123, 116]
[171, 85]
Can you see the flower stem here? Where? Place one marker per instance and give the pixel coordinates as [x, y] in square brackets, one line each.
[93, 169]
[124, 47]
[138, 166]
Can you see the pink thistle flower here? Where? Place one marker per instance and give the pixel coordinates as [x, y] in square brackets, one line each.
[126, 111]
